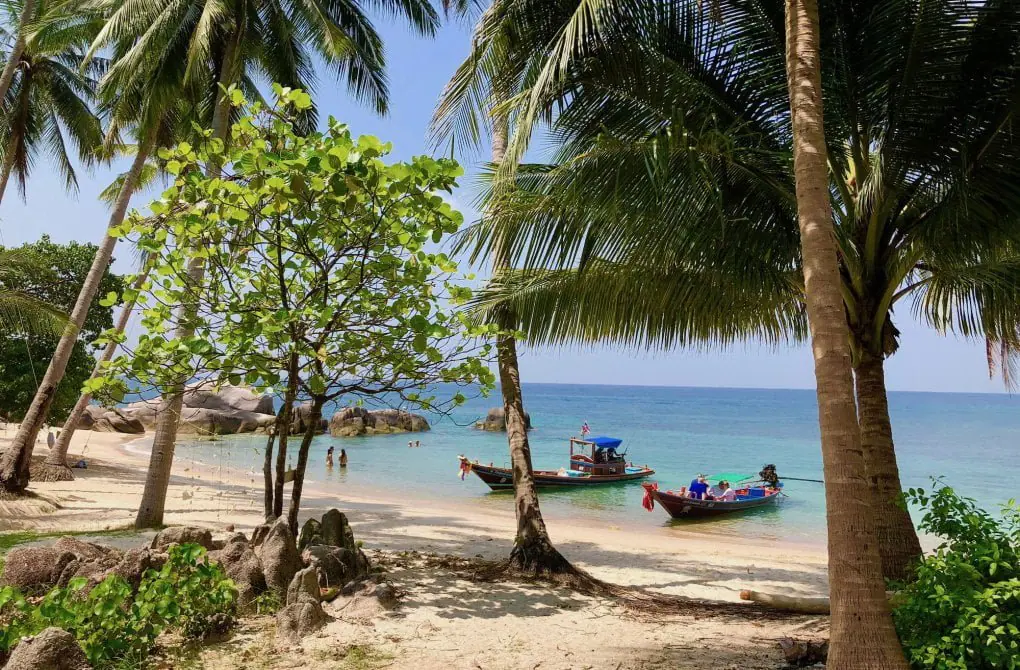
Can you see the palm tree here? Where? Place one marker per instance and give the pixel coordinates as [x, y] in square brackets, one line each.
[212, 45]
[25, 17]
[20, 312]
[508, 42]
[675, 159]
[49, 106]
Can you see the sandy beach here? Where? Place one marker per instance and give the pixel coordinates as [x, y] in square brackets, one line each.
[448, 621]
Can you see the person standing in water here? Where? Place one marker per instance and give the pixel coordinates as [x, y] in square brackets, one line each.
[329, 457]
[417, 443]
[343, 458]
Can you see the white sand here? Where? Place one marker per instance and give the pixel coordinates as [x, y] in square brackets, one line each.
[446, 621]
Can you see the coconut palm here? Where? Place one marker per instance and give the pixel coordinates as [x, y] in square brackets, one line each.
[211, 45]
[25, 11]
[50, 106]
[673, 157]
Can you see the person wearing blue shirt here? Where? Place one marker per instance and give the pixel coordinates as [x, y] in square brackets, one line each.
[699, 487]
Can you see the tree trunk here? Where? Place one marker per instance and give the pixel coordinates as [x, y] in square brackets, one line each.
[14, 467]
[6, 175]
[55, 469]
[275, 499]
[533, 551]
[299, 472]
[164, 442]
[267, 469]
[898, 545]
[862, 634]
[14, 57]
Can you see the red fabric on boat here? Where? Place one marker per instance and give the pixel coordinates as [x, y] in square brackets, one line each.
[648, 502]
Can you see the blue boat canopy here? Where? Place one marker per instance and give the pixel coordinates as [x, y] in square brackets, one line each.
[606, 442]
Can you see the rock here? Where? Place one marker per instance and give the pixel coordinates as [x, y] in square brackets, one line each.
[295, 621]
[802, 653]
[136, 562]
[205, 395]
[87, 418]
[336, 530]
[311, 533]
[222, 422]
[258, 534]
[301, 415]
[335, 565]
[279, 556]
[242, 565]
[52, 649]
[387, 595]
[351, 421]
[182, 535]
[231, 409]
[35, 568]
[304, 587]
[84, 550]
[93, 566]
[495, 421]
[115, 420]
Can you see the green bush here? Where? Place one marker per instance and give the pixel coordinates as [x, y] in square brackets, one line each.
[962, 611]
[113, 624]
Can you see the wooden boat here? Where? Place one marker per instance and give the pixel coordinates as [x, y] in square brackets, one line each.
[749, 496]
[592, 462]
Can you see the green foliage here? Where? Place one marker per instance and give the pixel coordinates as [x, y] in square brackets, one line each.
[962, 612]
[314, 247]
[52, 274]
[111, 623]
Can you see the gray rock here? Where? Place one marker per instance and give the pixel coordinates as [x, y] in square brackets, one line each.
[35, 568]
[52, 649]
[279, 556]
[242, 565]
[336, 530]
[205, 395]
[182, 535]
[301, 416]
[202, 421]
[136, 562]
[115, 420]
[333, 565]
[293, 622]
[258, 534]
[82, 549]
[304, 587]
[231, 409]
[495, 421]
[351, 421]
[387, 595]
[311, 533]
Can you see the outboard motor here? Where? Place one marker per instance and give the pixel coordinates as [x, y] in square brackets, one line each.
[769, 476]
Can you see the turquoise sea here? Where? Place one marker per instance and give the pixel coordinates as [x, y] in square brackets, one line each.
[970, 440]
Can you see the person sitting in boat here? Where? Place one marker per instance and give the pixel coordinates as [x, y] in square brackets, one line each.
[715, 491]
[698, 488]
[728, 494]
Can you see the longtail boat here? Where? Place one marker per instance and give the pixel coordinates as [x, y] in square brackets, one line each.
[752, 493]
[593, 461]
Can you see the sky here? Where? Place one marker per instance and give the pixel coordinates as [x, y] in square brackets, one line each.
[418, 68]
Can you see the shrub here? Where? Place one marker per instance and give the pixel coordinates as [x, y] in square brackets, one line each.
[962, 611]
[111, 623]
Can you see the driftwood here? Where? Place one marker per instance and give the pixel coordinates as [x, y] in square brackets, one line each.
[801, 604]
[804, 652]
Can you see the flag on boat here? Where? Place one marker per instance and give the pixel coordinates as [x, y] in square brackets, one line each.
[585, 430]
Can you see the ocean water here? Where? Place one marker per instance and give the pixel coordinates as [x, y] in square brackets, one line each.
[972, 441]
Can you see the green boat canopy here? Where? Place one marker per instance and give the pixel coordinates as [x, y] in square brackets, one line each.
[731, 477]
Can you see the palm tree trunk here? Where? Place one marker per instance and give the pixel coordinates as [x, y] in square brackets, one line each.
[14, 57]
[14, 467]
[6, 176]
[862, 634]
[54, 468]
[299, 472]
[897, 540]
[150, 512]
[533, 551]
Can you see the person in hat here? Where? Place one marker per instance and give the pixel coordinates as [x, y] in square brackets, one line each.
[699, 487]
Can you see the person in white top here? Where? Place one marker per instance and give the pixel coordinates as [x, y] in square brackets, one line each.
[715, 491]
[727, 492]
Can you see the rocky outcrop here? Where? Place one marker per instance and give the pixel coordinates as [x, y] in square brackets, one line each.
[35, 568]
[182, 535]
[301, 416]
[109, 420]
[352, 421]
[207, 411]
[294, 622]
[495, 421]
[304, 588]
[279, 556]
[311, 533]
[52, 649]
[242, 565]
[330, 548]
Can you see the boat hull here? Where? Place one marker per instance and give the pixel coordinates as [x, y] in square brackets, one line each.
[681, 507]
[502, 479]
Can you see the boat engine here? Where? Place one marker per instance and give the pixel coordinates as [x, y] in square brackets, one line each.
[769, 476]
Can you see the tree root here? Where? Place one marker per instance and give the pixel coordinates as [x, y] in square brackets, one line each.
[48, 472]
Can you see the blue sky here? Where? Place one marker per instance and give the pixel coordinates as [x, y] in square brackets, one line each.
[418, 69]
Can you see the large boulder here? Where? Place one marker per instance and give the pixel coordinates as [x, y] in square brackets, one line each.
[352, 421]
[279, 556]
[84, 550]
[304, 588]
[35, 568]
[202, 421]
[495, 421]
[336, 566]
[301, 416]
[110, 420]
[242, 565]
[204, 395]
[52, 649]
[294, 622]
[182, 535]
[335, 530]
[208, 411]
[311, 533]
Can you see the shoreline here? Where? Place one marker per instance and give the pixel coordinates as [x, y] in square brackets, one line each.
[680, 562]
